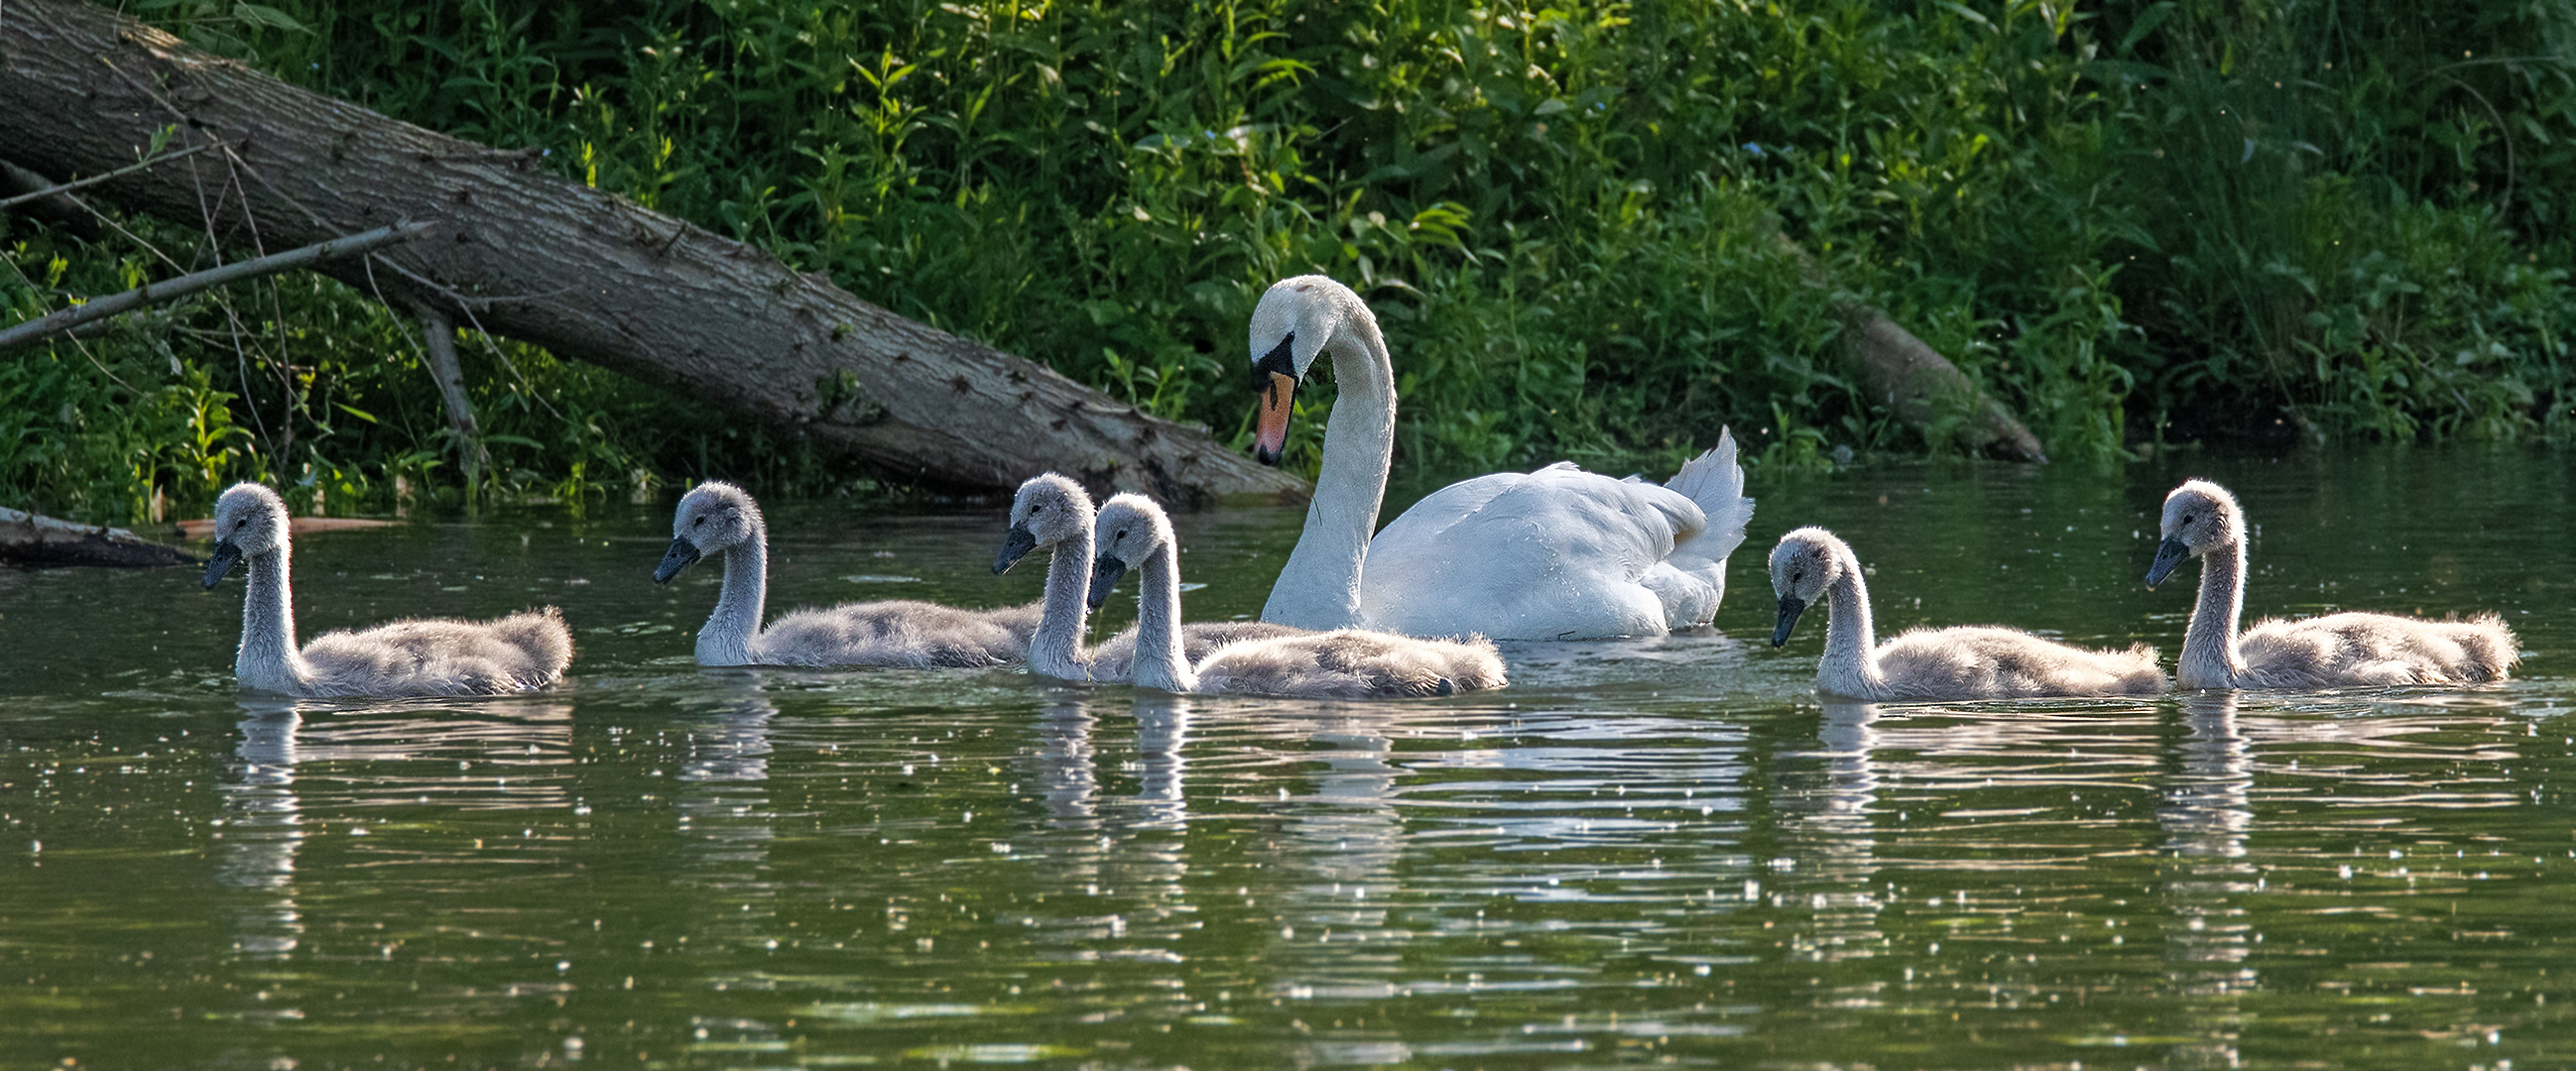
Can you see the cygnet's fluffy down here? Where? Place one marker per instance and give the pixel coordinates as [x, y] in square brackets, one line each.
[1052, 513]
[405, 658]
[896, 632]
[2201, 519]
[1132, 532]
[1351, 663]
[720, 518]
[1964, 662]
[1115, 658]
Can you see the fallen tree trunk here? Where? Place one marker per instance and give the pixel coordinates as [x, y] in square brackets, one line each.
[32, 541]
[522, 254]
[1927, 392]
[1910, 378]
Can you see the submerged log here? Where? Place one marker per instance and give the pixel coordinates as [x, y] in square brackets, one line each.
[519, 253]
[33, 541]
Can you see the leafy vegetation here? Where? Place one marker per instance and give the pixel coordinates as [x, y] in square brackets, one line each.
[1598, 231]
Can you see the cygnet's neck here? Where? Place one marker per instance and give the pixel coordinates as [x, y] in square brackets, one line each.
[734, 627]
[1850, 664]
[1056, 649]
[1159, 662]
[268, 659]
[1320, 587]
[2209, 657]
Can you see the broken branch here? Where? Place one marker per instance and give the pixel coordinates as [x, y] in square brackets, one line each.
[167, 289]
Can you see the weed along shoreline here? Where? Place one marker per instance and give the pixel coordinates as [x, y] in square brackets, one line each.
[1599, 234]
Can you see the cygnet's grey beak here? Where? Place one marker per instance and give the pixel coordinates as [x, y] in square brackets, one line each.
[1104, 576]
[682, 555]
[1015, 546]
[2169, 554]
[1790, 607]
[227, 555]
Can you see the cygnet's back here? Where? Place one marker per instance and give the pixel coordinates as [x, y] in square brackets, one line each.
[896, 632]
[2376, 649]
[1352, 663]
[1116, 656]
[524, 650]
[1983, 662]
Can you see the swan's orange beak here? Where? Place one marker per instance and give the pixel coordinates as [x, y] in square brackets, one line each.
[1270, 436]
[1274, 377]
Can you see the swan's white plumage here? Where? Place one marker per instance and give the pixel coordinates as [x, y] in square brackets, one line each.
[1052, 513]
[2201, 519]
[1965, 662]
[1559, 553]
[1135, 534]
[404, 658]
[720, 518]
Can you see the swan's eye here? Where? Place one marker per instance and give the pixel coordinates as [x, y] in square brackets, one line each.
[2186, 518]
[699, 523]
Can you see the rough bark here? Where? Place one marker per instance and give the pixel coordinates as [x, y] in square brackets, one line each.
[32, 541]
[522, 254]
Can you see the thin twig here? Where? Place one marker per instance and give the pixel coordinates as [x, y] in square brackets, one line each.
[149, 293]
[94, 180]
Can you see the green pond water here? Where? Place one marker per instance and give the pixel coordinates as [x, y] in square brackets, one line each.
[1663, 852]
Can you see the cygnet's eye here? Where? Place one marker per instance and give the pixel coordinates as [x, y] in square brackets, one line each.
[2186, 518]
[699, 523]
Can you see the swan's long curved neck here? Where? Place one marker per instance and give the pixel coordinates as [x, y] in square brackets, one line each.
[1850, 665]
[1320, 587]
[735, 625]
[268, 659]
[1056, 649]
[2209, 656]
[1159, 662]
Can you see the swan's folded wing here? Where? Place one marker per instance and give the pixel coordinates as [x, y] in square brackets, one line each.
[1548, 554]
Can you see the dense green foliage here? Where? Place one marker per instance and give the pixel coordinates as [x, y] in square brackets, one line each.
[1582, 224]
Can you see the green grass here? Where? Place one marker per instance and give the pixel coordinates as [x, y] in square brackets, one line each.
[2268, 220]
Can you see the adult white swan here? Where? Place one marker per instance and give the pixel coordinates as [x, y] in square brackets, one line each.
[1559, 553]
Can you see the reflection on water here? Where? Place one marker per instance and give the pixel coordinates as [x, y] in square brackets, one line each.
[1663, 852]
[264, 823]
